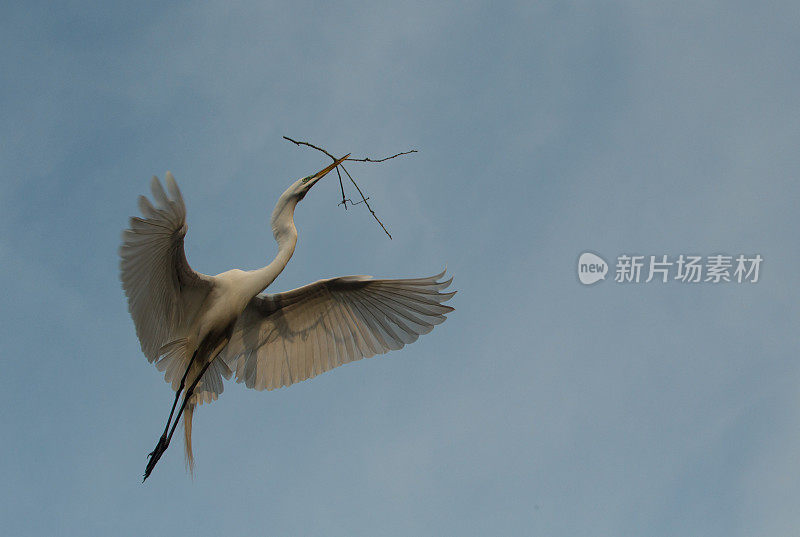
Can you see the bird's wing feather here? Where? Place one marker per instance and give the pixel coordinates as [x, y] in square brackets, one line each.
[287, 337]
[162, 289]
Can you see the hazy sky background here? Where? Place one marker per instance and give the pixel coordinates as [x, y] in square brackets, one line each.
[541, 407]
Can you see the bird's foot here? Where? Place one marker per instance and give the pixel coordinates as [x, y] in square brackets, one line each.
[160, 446]
[155, 455]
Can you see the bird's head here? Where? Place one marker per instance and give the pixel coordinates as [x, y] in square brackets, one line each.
[301, 187]
[282, 220]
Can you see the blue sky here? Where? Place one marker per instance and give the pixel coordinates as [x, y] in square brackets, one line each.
[541, 407]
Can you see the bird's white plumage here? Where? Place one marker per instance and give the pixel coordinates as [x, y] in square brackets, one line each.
[162, 288]
[288, 337]
[269, 340]
[164, 292]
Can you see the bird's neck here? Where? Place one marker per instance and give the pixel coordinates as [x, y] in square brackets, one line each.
[285, 234]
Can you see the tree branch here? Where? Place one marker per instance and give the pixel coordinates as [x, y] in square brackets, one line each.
[367, 159]
[310, 145]
[367, 203]
[345, 200]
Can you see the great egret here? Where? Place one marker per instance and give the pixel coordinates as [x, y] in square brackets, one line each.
[198, 328]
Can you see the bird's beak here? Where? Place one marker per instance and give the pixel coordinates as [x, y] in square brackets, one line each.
[323, 172]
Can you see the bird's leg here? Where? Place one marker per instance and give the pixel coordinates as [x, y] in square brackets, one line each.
[178, 394]
[163, 439]
[186, 398]
[162, 446]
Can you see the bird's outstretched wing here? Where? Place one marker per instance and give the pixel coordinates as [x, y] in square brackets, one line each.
[162, 289]
[287, 337]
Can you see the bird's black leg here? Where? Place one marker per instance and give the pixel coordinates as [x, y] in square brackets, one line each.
[163, 443]
[186, 397]
[178, 394]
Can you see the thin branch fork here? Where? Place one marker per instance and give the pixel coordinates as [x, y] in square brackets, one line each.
[364, 199]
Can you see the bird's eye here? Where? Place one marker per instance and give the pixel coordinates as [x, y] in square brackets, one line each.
[307, 179]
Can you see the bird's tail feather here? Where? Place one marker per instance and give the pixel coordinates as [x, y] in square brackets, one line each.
[187, 436]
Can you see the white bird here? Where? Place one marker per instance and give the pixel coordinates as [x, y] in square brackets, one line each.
[198, 328]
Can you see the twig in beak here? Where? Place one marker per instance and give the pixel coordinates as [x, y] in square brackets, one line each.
[345, 200]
